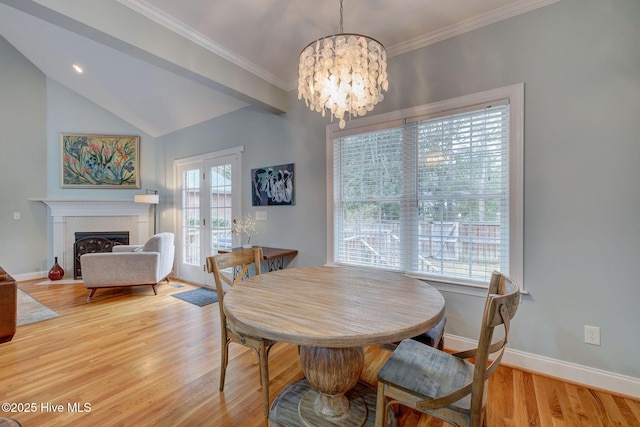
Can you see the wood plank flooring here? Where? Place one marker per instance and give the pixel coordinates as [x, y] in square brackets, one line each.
[129, 358]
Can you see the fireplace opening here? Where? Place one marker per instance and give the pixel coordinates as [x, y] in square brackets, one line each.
[95, 242]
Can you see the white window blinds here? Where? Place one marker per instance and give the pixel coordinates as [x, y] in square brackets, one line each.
[429, 197]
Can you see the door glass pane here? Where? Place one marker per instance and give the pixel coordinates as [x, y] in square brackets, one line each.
[221, 205]
[191, 217]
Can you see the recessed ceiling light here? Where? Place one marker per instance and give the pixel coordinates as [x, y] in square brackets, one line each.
[77, 68]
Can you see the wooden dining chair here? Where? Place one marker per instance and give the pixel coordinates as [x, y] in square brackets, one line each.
[446, 386]
[434, 337]
[241, 260]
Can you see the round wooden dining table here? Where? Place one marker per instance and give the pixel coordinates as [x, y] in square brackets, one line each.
[331, 312]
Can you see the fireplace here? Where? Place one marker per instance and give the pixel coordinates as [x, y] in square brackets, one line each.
[94, 242]
[71, 216]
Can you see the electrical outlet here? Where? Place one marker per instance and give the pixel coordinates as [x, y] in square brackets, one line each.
[592, 335]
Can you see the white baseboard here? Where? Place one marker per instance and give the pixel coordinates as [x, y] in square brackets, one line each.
[592, 377]
[572, 372]
[29, 276]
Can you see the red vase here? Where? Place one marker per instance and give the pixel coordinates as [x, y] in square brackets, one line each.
[56, 272]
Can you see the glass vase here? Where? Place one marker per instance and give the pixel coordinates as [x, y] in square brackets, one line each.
[56, 272]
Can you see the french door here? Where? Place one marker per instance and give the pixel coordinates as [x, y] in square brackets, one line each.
[208, 193]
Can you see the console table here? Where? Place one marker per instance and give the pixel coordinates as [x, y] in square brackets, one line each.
[8, 306]
[273, 256]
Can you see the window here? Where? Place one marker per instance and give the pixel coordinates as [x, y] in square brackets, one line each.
[433, 191]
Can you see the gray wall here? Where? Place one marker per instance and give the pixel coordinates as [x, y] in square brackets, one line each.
[34, 110]
[268, 140]
[68, 112]
[23, 163]
[579, 61]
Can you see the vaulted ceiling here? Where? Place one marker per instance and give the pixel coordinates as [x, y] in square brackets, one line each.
[163, 65]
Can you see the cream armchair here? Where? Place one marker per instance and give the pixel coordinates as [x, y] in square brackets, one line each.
[130, 265]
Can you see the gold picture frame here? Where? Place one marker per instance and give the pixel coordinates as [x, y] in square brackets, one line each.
[100, 161]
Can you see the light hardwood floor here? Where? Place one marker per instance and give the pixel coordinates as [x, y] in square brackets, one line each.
[142, 360]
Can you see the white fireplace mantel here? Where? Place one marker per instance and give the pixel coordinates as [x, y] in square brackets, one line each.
[78, 207]
[62, 211]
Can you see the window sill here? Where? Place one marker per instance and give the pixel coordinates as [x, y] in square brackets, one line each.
[463, 289]
[476, 290]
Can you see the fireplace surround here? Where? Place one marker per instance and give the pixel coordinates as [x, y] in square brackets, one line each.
[71, 216]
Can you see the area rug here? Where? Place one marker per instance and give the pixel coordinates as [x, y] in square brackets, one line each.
[31, 310]
[199, 297]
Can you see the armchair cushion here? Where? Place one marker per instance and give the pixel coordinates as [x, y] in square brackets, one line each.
[127, 248]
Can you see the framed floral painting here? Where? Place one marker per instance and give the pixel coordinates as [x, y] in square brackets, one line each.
[100, 161]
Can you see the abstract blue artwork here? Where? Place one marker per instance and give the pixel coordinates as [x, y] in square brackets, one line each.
[273, 186]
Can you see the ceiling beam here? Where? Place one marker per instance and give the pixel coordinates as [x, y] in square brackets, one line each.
[119, 27]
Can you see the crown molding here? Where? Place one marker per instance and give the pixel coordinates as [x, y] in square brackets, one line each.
[509, 11]
[158, 16]
[177, 26]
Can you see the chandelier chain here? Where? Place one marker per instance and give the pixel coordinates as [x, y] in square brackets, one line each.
[341, 20]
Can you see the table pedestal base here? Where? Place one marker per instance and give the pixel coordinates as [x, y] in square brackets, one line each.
[295, 406]
[332, 372]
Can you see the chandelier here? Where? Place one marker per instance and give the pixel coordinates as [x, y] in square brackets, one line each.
[344, 73]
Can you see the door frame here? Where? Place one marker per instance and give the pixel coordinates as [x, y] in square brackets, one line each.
[202, 162]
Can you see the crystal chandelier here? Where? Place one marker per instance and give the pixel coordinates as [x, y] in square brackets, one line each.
[343, 73]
